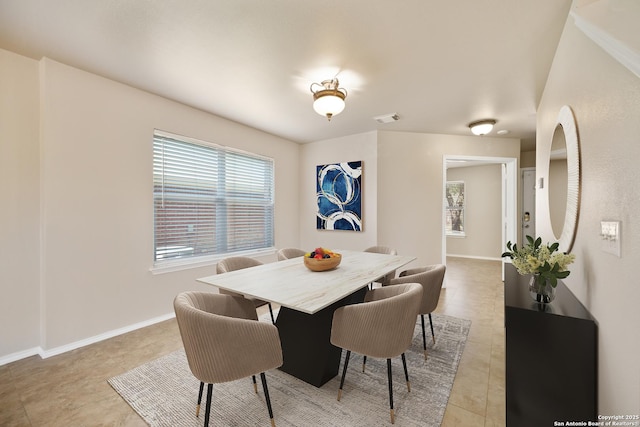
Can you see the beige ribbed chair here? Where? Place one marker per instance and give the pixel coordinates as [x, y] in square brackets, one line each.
[287, 253]
[224, 342]
[380, 327]
[238, 263]
[431, 279]
[384, 280]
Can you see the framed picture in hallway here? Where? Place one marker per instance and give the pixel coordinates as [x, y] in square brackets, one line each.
[339, 196]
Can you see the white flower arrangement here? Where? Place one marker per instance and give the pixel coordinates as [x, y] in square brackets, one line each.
[540, 260]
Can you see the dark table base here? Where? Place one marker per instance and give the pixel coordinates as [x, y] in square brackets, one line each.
[306, 348]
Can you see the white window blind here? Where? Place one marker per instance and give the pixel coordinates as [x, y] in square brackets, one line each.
[209, 199]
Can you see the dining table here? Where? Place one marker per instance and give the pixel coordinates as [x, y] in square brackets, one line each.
[307, 300]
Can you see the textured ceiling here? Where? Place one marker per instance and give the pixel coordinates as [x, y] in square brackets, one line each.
[438, 64]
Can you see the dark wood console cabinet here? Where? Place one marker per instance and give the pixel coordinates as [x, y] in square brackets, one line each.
[551, 357]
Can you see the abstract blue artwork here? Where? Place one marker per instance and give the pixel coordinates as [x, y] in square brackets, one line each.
[339, 194]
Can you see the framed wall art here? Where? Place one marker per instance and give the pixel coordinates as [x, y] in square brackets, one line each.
[339, 196]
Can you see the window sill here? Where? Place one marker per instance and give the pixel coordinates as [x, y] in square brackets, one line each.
[456, 235]
[170, 266]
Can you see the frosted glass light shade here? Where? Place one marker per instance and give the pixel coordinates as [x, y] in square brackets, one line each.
[482, 127]
[328, 97]
[328, 105]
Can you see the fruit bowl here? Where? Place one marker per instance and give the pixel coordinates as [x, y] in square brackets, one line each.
[323, 264]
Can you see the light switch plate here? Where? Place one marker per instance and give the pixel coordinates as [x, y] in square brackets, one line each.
[610, 235]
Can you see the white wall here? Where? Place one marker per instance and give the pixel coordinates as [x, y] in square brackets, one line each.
[95, 178]
[528, 159]
[19, 204]
[346, 149]
[410, 186]
[605, 98]
[483, 212]
[402, 184]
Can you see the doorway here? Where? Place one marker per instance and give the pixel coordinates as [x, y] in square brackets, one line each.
[509, 190]
[528, 180]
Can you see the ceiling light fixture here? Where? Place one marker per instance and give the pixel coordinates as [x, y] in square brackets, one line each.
[328, 97]
[482, 127]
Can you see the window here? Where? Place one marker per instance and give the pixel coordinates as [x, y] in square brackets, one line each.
[208, 199]
[454, 224]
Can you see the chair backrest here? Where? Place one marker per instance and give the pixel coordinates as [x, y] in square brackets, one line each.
[383, 325]
[382, 250]
[232, 264]
[287, 253]
[431, 278]
[236, 263]
[384, 280]
[222, 338]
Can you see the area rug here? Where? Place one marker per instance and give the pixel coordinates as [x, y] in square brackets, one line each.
[164, 392]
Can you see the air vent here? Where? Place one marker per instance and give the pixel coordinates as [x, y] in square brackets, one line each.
[387, 118]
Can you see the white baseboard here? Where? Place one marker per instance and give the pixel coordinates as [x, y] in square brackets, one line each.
[82, 343]
[19, 355]
[474, 257]
[110, 334]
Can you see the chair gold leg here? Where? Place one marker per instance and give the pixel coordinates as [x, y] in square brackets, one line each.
[344, 373]
[406, 372]
[390, 381]
[393, 417]
[207, 408]
[433, 335]
[263, 378]
[200, 391]
[424, 337]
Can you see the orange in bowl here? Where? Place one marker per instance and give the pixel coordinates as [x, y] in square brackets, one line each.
[323, 264]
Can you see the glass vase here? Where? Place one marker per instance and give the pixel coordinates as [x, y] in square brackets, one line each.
[542, 293]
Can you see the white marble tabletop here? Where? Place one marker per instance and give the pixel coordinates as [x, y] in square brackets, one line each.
[291, 284]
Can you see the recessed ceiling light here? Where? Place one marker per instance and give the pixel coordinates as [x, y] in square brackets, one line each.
[503, 132]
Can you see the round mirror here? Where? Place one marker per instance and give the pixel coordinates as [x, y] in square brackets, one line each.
[558, 181]
[564, 179]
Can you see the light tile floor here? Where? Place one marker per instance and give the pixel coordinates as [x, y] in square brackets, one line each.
[71, 389]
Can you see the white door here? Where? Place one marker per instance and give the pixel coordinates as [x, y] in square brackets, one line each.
[528, 219]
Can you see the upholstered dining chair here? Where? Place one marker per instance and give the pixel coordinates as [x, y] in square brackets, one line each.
[382, 326]
[431, 279]
[224, 342]
[237, 263]
[384, 280]
[287, 253]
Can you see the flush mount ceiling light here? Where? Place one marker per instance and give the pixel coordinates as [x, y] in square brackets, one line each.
[328, 97]
[482, 127]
